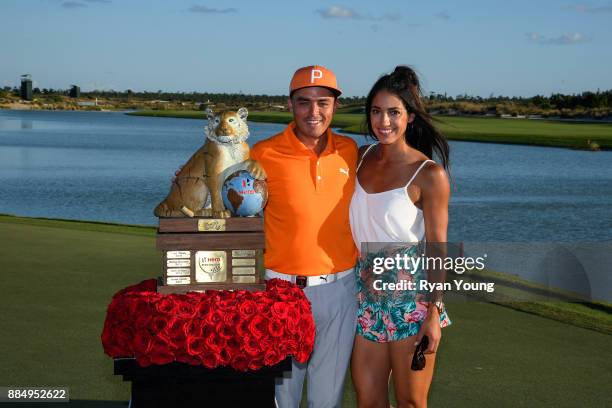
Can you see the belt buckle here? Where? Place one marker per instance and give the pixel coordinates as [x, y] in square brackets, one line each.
[301, 281]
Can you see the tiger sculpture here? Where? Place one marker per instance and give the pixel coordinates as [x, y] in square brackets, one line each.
[224, 152]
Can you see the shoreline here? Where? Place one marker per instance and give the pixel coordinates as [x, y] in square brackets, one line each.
[560, 133]
[541, 132]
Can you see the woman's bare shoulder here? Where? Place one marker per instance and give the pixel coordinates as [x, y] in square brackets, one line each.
[433, 179]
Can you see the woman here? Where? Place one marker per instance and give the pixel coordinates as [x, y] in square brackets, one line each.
[401, 196]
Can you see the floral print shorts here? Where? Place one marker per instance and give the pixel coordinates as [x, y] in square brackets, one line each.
[390, 315]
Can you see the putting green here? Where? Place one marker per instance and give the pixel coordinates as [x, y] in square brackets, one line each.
[58, 278]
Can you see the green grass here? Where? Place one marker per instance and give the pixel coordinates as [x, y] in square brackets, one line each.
[519, 294]
[57, 280]
[492, 130]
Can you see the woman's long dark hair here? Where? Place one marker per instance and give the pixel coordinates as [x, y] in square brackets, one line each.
[421, 133]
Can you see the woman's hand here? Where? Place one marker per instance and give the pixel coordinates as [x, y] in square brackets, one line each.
[431, 329]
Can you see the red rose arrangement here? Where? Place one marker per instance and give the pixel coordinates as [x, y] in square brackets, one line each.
[241, 329]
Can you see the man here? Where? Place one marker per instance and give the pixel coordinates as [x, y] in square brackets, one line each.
[311, 177]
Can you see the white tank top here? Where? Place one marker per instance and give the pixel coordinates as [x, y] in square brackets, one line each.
[388, 216]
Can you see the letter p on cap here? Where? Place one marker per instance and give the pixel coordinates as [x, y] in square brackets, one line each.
[315, 74]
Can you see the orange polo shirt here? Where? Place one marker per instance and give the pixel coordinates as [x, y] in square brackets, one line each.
[306, 220]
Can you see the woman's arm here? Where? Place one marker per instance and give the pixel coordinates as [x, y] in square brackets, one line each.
[435, 194]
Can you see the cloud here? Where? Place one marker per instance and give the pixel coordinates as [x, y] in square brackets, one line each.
[98, 1]
[443, 15]
[72, 4]
[345, 13]
[338, 12]
[208, 10]
[585, 8]
[564, 39]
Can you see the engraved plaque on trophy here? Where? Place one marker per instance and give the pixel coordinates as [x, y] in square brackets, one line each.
[207, 253]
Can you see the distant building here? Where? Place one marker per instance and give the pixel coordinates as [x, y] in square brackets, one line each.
[88, 103]
[75, 91]
[26, 87]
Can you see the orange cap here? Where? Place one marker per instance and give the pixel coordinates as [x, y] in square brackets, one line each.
[314, 75]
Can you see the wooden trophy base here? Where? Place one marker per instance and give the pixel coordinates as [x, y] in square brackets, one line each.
[211, 254]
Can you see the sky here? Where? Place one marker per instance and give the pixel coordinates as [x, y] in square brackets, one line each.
[511, 48]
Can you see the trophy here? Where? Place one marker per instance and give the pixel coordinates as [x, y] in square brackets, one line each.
[220, 247]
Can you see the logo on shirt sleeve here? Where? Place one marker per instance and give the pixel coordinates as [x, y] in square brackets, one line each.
[344, 171]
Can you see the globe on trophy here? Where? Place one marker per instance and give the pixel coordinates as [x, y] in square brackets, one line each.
[243, 194]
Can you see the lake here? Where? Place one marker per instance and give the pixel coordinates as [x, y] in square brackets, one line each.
[108, 166]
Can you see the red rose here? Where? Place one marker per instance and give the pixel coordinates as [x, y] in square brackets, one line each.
[158, 323]
[293, 316]
[266, 343]
[251, 346]
[226, 331]
[226, 304]
[185, 310]
[255, 364]
[302, 356]
[304, 306]
[258, 326]
[232, 345]
[122, 337]
[287, 347]
[213, 296]
[263, 308]
[110, 346]
[165, 305]
[240, 362]
[247, 308]
[291, 327]
[306, 324]
[210, 360]
[203, 309]
[119, 310]
[242, 295]
[242, 328]
[231, 318]
[215, 343]
[176, 329]
[144, 360]
[276, 328]
[143, 342]
[195, 345]
[277, 284]
[272, 357]
[279, 310]
[166, 340]
[161, 352]
[224, 357]
[183, 356]
[142, 320]
[138, 306]
[193, 328]
[215, 317]
[208, 330]
[282, 297]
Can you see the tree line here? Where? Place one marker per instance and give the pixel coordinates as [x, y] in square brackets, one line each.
[584, 100]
